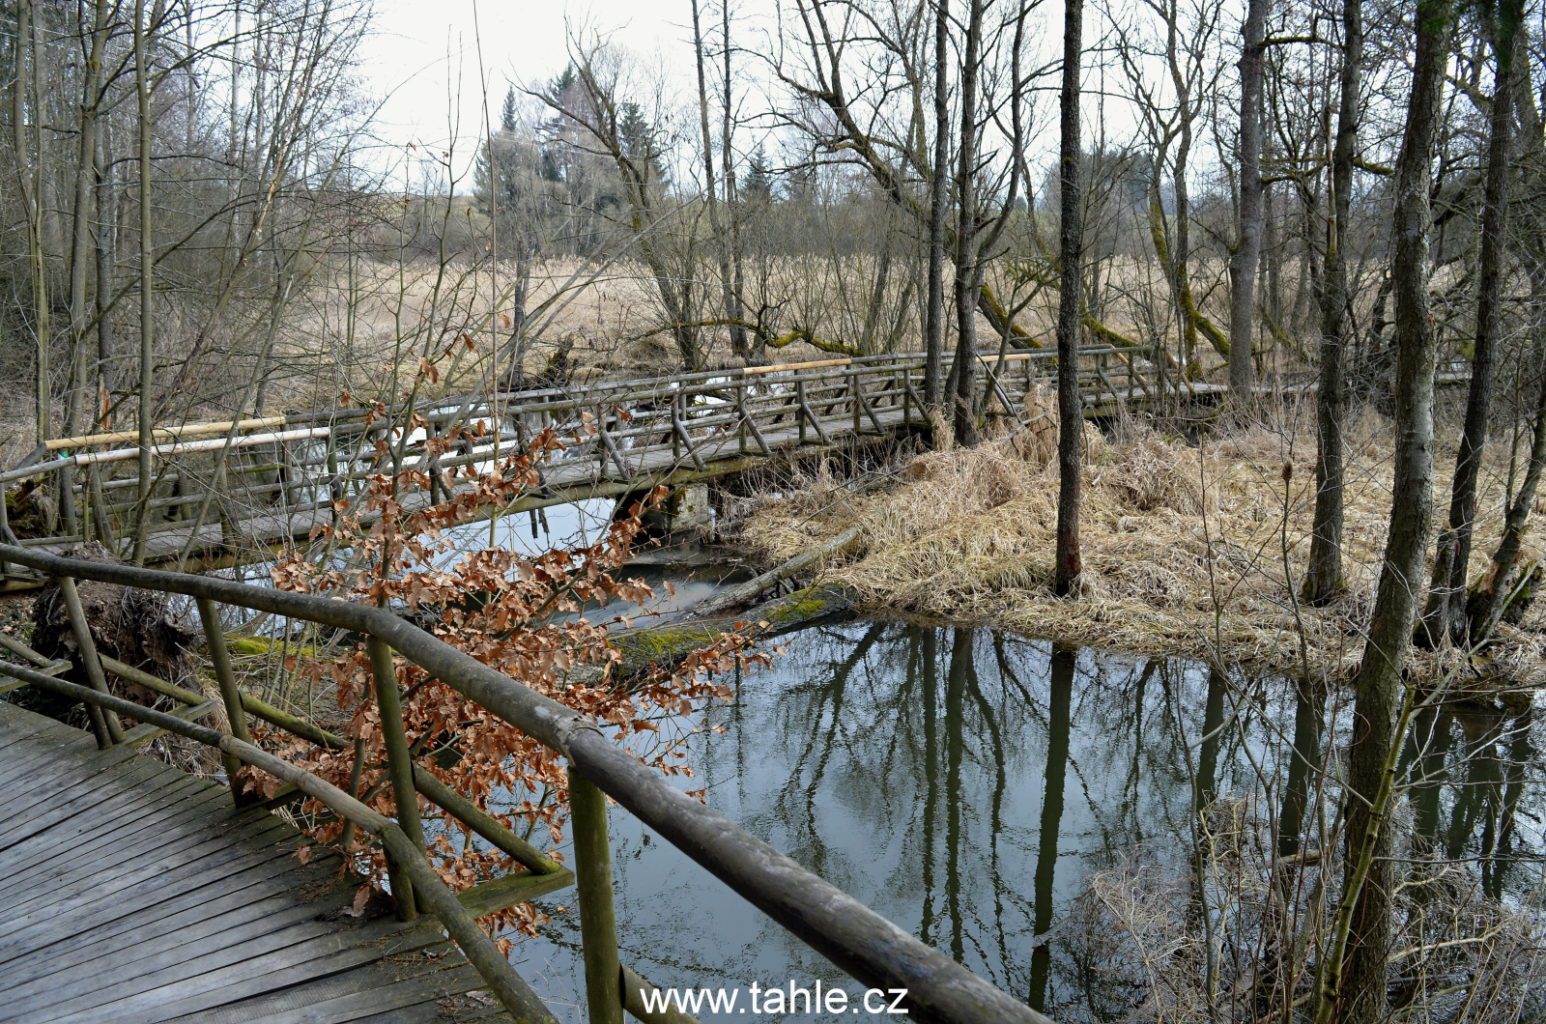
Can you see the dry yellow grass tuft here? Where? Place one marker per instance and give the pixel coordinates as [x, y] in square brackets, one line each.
[1192, 549]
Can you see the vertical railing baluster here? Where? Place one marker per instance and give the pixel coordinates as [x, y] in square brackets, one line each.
[220, 660]
[853, 397]
[104, 723]
[99, 511]
[67, 501]
[355, 771]
[740, 416]
[5, 531]
[598, 916]
[399, 767]
[799, 391]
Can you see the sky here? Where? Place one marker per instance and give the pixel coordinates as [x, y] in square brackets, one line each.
[422, 59]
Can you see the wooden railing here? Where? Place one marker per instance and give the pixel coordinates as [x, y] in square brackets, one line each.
[251, 483]
[870, 948]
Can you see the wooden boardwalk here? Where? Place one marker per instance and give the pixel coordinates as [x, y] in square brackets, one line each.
[131, 893]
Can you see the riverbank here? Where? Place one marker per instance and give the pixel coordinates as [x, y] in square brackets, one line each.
[1193, 549]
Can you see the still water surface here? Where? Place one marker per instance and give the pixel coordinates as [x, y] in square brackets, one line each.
[967, 783]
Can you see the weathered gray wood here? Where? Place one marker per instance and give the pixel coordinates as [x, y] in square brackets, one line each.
[141, 897]
[281, 968]
[399, 987]
[263, 899]
[55, 855]
[82, 903]
[82, 839]
[69, 789]
[230, 899]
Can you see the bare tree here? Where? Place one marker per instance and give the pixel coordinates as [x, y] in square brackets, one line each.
[721, 232]
[1323, 578]
[1444, 618]
[1070, 309]
[1353, 983]
[1248, 234]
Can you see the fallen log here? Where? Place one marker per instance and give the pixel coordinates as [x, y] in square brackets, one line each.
[739, 594]
[660, 646]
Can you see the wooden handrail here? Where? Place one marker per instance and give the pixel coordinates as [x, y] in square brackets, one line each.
[869, 947]
[187, 430]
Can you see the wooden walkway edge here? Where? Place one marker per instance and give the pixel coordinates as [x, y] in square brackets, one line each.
[131, 893]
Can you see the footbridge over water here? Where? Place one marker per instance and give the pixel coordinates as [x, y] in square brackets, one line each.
[231, 491]
[238, 488]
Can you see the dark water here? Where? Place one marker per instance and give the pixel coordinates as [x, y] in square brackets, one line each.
[969, 785]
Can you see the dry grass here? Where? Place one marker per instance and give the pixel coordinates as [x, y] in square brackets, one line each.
[1184, 545]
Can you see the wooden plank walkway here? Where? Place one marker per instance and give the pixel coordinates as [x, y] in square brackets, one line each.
[132, 893]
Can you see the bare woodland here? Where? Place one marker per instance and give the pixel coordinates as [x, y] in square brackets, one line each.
[1309, 209]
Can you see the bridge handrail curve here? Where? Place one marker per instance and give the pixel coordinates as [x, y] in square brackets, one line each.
[860, 941]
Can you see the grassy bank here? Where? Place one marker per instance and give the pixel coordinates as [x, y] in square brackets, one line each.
[1190, 549]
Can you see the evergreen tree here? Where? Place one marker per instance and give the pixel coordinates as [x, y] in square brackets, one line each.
[758, 184]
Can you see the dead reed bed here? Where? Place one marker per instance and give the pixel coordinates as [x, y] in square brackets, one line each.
[1195, 549]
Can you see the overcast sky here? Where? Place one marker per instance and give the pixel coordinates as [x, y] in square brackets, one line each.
[423, 52]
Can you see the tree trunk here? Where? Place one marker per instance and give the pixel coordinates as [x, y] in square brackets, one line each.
[82, 255]
[934, 323]
[737, 286]
[1248, 237]
[30, 179]
[732, 307]
[107, 221]
[1323, 580]
[147, 282]
[1485, 606]
[1444, 617]
[968, 275]
[1070, 284]
[1354, 983]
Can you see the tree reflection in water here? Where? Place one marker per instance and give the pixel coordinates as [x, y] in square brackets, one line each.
[971, 784]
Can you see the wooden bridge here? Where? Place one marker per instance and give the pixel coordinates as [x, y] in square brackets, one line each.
[132, 893]
[236, 489]
[231, 491]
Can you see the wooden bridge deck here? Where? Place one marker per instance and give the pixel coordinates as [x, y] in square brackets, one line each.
[131, 893]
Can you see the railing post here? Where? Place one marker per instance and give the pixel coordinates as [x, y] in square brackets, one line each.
[220, 660]
[740, 415]
[853, 397]
[356, 769]
[399, 768]
[5, 531]
[799, 391]
[598, 917]
[98, 511]
[67, 501]
[103, 722]
[678, 408]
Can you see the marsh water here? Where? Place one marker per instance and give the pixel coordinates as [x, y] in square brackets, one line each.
[970, 784]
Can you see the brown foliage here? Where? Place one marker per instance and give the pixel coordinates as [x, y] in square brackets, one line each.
[521, 615]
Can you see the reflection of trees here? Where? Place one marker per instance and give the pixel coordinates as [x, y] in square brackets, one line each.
[1467, 775]
[1050, 830]
[967, 783]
